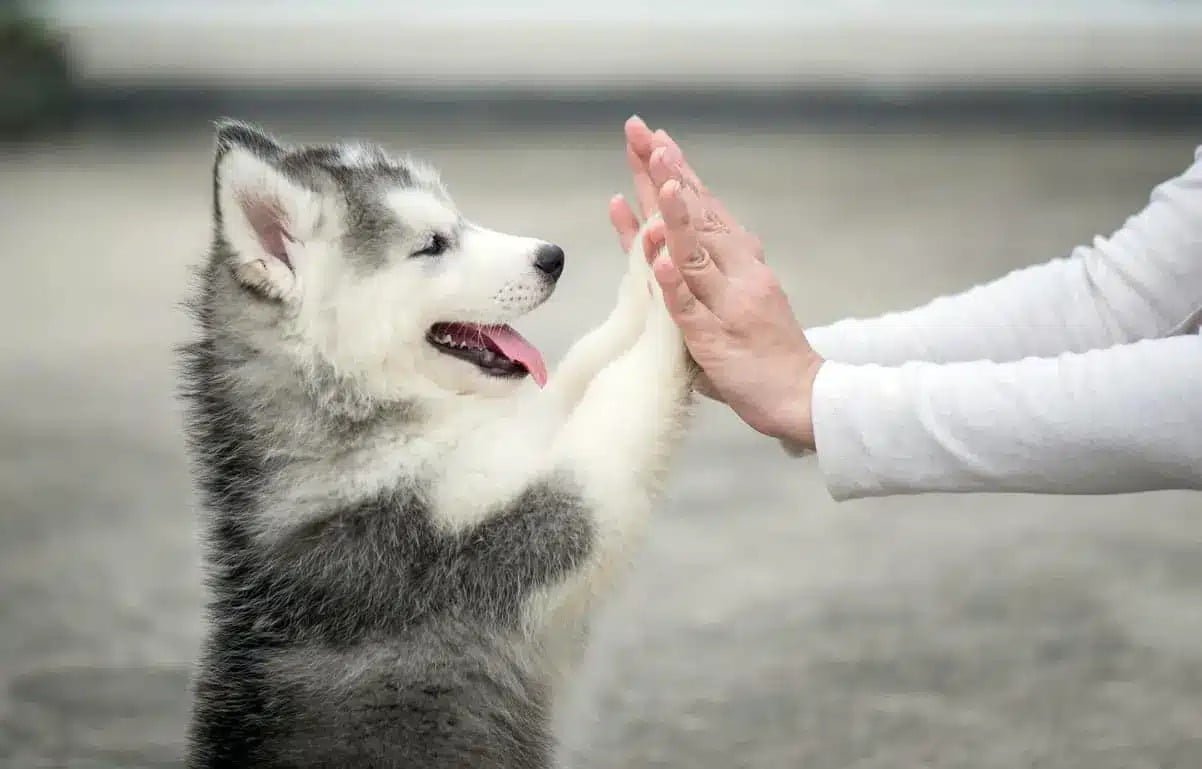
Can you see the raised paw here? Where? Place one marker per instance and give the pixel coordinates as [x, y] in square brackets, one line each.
[638, 284]
[660, 321]
[662, 325]
[640, 260]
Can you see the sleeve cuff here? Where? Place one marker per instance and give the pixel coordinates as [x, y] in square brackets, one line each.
[855, 411]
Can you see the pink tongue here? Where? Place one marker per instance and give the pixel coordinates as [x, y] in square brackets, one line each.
[513, 346]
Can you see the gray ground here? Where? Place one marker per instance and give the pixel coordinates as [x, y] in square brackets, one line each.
[764, 626]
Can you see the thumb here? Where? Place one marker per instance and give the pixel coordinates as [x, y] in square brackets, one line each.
[693, 317]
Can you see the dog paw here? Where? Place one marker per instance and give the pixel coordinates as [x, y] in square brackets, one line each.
[638, 284]
[640, 261]
[661, 323]
[639, 275]
[659, 316]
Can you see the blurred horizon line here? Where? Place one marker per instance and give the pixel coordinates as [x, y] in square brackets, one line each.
[1058, 109]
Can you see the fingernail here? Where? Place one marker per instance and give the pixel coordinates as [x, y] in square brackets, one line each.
[698, 257]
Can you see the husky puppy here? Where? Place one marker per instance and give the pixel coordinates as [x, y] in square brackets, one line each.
[404, 535]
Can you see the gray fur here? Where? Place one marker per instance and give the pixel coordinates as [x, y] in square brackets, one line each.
[357, 173]
[363, 636]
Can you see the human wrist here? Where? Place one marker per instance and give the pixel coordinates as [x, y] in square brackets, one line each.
[795, 429]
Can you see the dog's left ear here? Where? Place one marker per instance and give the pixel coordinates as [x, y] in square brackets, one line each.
[261, 213]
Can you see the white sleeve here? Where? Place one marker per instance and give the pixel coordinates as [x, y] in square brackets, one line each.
[1143, 282]
[1124, 419]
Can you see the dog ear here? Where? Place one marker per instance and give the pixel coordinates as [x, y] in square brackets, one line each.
[261, 213]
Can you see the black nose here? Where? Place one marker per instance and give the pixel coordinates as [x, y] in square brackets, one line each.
[549, 260]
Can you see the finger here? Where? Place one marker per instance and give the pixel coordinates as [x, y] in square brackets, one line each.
[667, 163]
[678, 298]
[662, 138]
[727, 242]
[660, 169]
[625, 223]
[693, 318]
[644, 188]
[713, 234]
[638, 153]
[734, 251]
[674, 157]
[639, 137]
[702, 275]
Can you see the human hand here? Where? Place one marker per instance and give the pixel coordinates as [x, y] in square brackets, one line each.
[640, 143]
[736, 319]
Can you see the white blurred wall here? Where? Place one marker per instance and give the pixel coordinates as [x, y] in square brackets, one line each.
[525, 44]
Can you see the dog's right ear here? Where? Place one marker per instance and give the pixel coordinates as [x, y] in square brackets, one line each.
[262, 214]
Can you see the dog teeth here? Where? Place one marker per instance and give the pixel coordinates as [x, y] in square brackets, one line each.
[457, 344]
[486, 355]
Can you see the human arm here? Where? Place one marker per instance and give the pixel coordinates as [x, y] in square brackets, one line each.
[1140, 283]
[1120, 419]
[1124, 419]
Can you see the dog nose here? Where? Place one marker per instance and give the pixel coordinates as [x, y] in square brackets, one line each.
[549, 260]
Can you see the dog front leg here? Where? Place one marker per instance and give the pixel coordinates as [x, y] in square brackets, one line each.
[618, 442]
[605, 343]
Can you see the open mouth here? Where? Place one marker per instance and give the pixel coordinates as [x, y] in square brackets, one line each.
[496, 350]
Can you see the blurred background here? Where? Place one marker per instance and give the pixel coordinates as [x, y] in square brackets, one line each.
[886, 151]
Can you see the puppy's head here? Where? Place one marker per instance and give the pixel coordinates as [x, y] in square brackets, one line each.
[344, 256]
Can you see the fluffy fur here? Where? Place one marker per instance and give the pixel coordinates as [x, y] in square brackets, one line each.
[402, 546]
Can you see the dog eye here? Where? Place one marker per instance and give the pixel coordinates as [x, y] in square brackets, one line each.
[438, 245]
